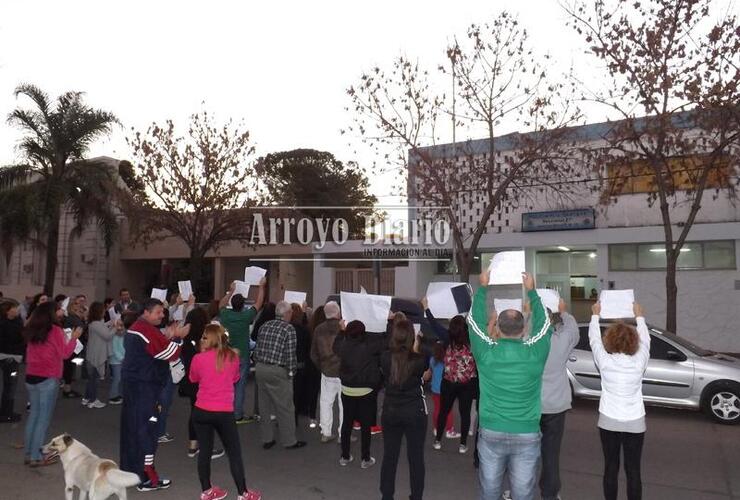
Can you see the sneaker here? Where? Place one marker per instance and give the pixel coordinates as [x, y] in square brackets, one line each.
[96, 404]
[165, 438]
[327, 439]
[437, 445]
[273, 418]
[356, 426]
[376, 429]
[345, 461]
[463, 448]
[214, 493]
[366, 464]
[147, 485]
[192, 452]
[452, 434]
[313, 424]
[296, 445]
[506, 495]
[250, 495]
[244, 420]
[71, 394]
[84, 401]
[115, 401]
[217, 453]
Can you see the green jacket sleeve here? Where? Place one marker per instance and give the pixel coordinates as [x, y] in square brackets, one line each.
[478, 322]
[540, 337]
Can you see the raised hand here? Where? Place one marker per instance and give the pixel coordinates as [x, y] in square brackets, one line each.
[485, 277]
[528, 281]
[424, 303]
[596, 308]
[637, 309]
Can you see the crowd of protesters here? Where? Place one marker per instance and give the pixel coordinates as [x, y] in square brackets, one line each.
[507, 367]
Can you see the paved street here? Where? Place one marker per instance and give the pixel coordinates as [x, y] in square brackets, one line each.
[686, 458]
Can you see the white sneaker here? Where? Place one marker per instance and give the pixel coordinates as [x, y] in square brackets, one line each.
[313, 424]
[452, 434]
[506, 495]
[85, 402]
[96, 404]
[437, 445]
[366, 464]
[345, 461]
[463, 449]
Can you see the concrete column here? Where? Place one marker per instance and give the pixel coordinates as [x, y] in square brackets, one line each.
[323, 282]
[219, 281]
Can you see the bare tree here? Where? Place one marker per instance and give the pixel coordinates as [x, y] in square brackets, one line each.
[197, 187]
[498, 82]
[672, 81]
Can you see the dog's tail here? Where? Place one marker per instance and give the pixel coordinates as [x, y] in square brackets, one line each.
[122, 479]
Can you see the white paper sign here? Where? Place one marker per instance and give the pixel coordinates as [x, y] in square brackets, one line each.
[240, 288]
[617, 304]
[159, 293]
[178, 313]
[506, 268]
[65, 305]
[372, 310]
[294, 297]
[440, 299]
[186, 290]
[253, 275]
[501, 305]
[79, 347]
[113, 314]
[550, 299]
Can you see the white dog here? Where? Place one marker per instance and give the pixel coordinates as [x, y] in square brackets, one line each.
[98, 477]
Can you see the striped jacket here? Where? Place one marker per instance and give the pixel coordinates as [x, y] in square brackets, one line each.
[148, 353]
[510, 370]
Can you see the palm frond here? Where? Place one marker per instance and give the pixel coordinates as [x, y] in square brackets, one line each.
[14, 175]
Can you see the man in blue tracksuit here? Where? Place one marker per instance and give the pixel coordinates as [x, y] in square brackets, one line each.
[144, 373]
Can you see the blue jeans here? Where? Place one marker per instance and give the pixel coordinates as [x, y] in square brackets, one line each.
[165, 401]
[517, 453]
[91, 390]
[43, 398]
[240, 387]
[115, 384]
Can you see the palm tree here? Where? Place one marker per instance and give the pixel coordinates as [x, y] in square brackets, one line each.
[55, 175]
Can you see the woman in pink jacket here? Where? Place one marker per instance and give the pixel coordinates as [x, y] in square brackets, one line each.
[47, 348]
[216, 369]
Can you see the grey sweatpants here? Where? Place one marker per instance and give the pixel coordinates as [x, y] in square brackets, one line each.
[276, 398]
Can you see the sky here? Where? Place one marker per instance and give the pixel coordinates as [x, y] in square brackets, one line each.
[282, 67]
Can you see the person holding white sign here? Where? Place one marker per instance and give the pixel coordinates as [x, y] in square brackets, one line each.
[621, 356]
[556, 397]
[510, 370]
[327, 361]
[236, 320]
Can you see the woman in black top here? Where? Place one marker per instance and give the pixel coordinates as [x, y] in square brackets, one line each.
[12, 349]
[404, 409]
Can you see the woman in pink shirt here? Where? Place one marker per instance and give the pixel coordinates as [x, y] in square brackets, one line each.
[47, 348]
[216, 369]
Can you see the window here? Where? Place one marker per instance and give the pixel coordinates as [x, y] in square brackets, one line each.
[638, 177]
[652, 256]
[659, 350]
[450, 266]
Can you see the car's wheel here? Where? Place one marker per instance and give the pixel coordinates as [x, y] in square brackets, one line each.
[722, 402]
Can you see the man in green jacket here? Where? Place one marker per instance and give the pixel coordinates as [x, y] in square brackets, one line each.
[510, 372]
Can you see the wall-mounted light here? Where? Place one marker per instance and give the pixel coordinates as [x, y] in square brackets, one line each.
[564, 249]
[662, 250]
[592, 255]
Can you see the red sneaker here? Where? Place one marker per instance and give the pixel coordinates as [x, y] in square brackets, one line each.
[250, 495]
[215, 493]
[376, 429]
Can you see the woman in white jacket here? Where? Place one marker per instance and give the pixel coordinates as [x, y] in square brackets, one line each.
[621, 357]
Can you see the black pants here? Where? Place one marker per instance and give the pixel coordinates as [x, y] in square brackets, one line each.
[222, 422]
[414, 427]
[68, 371]
[9, 368]
[465, 394]
[192, 436]
[363, 409]
[551, 426]
[306, 386]
[612, 443]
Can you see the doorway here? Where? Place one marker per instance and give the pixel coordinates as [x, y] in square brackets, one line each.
[572, 272]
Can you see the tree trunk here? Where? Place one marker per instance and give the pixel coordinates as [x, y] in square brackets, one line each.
[671, 290]
[465, 259]
[52, 247]
[196, 271]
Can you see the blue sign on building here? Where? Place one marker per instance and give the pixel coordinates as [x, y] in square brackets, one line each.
[559, 220]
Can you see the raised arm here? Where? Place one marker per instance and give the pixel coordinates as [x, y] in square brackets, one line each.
[594, 336]
[478, 317]
[642, 331]
[540, 320]
[227, 297]
[439, 330]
